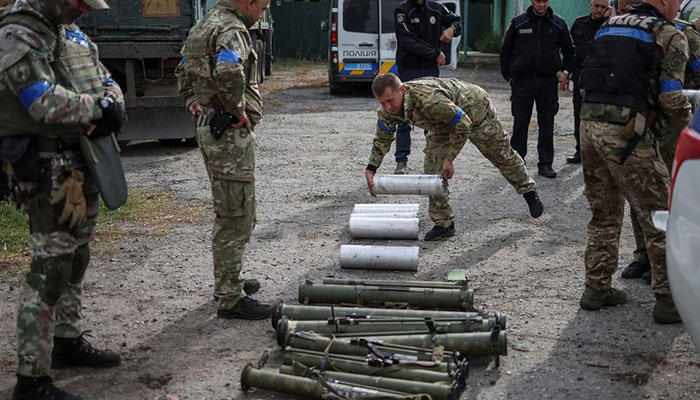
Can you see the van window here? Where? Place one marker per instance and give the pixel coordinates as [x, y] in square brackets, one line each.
[360, 16]
[388, 7]
[691, 11]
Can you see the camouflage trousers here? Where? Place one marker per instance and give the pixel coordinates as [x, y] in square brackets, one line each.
[230, 163]
[642, 180]
[667, 147]
[50, 302]
[493, 142]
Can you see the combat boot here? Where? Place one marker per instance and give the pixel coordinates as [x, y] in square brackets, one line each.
[246, 308]
[41, 388]
[439, 232]
[635, 270]
[250, 286]
[665, 310]
[78, 352]
[534, 203]
[401, 168]
[596, 299]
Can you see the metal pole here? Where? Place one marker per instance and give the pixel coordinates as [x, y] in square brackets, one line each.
[379, 257]
[384, 208]
[383, 228]
[427, 185]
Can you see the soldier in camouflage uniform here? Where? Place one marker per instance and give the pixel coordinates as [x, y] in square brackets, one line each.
[632, 82]
[218, 72]
[52, 90]
[640, 266]
[453, 112]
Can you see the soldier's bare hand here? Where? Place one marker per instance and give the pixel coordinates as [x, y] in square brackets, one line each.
[447, 35]
[441, 59]
[193, 108]
[243, 121]
[448, 169]
[369, 176]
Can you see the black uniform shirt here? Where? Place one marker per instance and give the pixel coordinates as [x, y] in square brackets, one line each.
[582, 32]
[418, 31]
[532, 46]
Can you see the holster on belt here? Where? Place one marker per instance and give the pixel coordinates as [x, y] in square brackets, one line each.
[220, 120]
[633, 131]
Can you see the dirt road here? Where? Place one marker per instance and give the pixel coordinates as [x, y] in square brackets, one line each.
[150, 298]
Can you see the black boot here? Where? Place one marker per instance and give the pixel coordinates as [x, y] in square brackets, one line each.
[635, 270]
[439, 232]
[534, 203]
[41, 388]
[247, 308]
[78, 352]
[250, 286]
[574, 158]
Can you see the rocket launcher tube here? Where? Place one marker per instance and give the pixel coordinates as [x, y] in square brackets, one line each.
[378, 282]
[306, 388]
[426, 298]
[333, 362]
[306, 312]
[473, 344]
[360, 347]
[366, 326]
[436, 391]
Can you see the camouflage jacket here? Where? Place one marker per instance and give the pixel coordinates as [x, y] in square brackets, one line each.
[50, 76]
[219, 64]
[665, 87]
[692, 71]
[446, 107]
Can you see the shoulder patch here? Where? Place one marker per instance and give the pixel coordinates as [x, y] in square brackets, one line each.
[400, 18]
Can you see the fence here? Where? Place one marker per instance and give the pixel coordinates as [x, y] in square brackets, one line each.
[298, 29]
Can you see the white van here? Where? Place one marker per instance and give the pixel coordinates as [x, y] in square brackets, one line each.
[363, 43]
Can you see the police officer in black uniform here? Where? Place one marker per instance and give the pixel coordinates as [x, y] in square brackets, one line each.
[582, 32]
[424, 32]
[530, 60]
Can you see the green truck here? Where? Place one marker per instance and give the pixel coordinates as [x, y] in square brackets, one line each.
[140, 43]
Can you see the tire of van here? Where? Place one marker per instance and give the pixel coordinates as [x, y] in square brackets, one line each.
[335, 87]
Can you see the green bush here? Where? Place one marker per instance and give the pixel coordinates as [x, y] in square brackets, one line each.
[489, 43]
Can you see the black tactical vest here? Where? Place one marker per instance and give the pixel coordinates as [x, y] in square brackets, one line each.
[622, 60]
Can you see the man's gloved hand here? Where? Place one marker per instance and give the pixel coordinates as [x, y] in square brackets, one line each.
[75, 206]
[112, 118]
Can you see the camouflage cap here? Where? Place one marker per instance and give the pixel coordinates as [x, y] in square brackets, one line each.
[97, 4]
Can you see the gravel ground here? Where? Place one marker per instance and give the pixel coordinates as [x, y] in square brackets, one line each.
[150, 298]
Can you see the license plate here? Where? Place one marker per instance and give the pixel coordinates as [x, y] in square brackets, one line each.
[358, 67]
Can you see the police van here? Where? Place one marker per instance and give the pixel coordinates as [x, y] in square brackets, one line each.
[363, 43]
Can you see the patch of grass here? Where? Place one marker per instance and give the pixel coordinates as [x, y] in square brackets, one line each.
[489, 43]
[290, 63]
[145, 213]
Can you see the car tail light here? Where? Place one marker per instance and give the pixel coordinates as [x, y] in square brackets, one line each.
[688, 148]
[334, 28]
